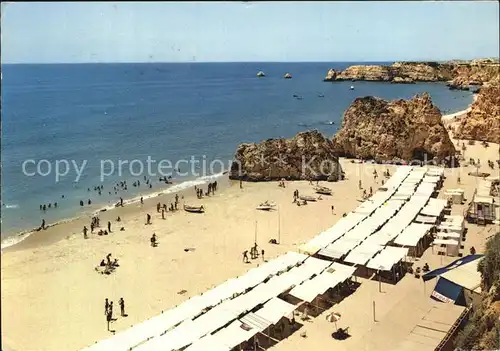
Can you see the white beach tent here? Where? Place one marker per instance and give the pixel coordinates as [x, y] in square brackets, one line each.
[412, 234]
[387, 258]
[331, 277]
[340, 247]
[363, 253]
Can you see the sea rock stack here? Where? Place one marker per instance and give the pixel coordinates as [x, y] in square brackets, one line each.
[373, 128]
[330, 76]
[308, 155]
[288, 76]
[482, 122]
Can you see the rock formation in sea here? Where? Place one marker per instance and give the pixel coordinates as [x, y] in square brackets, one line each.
[477, 73]
[377, 129]
[482, 122]
[458, 74]
[400, 80]
[398, 72]
[308, 155]
[331, 75]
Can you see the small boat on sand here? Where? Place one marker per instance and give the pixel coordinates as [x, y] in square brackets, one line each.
[266, 206]
[323, 190]
[194, 209]
[307, 198]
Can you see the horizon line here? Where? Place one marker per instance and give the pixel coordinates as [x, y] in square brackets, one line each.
[195, 62]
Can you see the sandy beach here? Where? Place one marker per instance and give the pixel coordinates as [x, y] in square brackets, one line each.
[52, 272]
[51, 292]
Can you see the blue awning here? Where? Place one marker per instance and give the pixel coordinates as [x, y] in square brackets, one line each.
[453, 265]
[446, 291]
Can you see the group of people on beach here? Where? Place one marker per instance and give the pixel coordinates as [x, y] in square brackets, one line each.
[108, 310]
[212, 187]
[107, 265]
[254, 254]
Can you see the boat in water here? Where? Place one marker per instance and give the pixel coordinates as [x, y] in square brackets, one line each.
[352, 87]
[321, 95]
[260, 74]
[288, 76]
[194, 209]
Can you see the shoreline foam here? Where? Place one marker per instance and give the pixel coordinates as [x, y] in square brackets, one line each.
[18, 237]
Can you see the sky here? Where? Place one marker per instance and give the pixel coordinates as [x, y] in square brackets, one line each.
[77, 32]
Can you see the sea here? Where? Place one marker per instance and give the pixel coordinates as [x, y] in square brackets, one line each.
[83, 119]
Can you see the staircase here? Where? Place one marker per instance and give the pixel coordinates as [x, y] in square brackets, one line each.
[453, 330]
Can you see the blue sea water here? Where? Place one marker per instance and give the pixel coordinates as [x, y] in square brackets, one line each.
[96, 112]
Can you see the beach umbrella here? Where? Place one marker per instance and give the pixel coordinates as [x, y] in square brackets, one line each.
[333, 317]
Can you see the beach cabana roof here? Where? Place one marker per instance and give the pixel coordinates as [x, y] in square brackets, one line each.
[440, 234]
[209, 342]
[253, 320]
[235, 334]
[387, 258]
[434, 207]
[426, 219]
[412, 234]
[275, 309]
[330, 278]
[363, 253]
[340, 247]
[445, 242]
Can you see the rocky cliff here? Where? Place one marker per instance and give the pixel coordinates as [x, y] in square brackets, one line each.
[398, 130]
[308, 155]
[474, 74]
[482, 122]
[398, 72]
[369, 72]
[459, 74]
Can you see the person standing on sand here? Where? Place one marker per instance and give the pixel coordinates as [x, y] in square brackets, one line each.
[359, 184]
[121, 201]
[43, 224]
[92, 226]
[262, 252]
[245, 256]
[241, 184]
[333, 209]
[109, 226]
[142, 201]
[121, 302]
[162, 213]
[176, 198]
[158, 205]
[148, 219]
[85, 232]
[106, 306]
